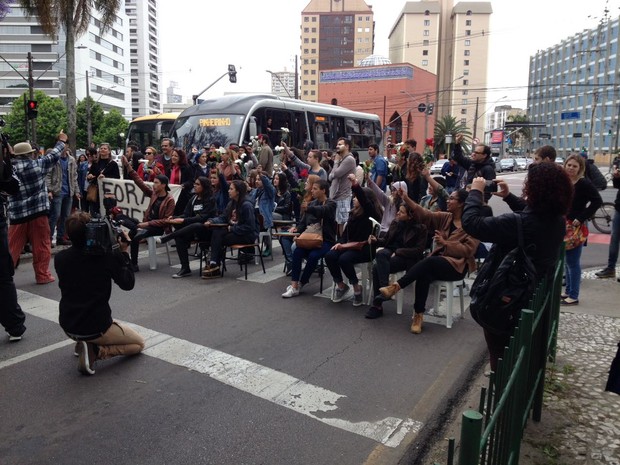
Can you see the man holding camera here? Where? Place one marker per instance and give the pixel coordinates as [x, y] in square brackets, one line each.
[11, 315]
[480, 163]
[85, 313]
[29, 208]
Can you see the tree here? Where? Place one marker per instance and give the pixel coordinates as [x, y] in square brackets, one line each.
[16, 120]
[522, 135]
[96, 117]
[448, 125]
[113, 124]
[73, 16]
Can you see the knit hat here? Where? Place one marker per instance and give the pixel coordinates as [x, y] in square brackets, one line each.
[23, 148]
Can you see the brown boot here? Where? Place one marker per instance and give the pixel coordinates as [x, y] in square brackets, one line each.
[390, 290]
[416, 324]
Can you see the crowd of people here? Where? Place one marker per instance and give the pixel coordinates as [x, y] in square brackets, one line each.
[329, 211]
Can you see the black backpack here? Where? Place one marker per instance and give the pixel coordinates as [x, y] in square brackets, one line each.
[595, 176]
[504, 286]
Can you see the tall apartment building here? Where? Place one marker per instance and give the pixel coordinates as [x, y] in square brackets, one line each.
[146, 86]
[573, 88]
[451, 41]
[498, 117]
[334, 34]
[283, 83]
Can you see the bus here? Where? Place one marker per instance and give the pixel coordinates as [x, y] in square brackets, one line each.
[150, 129]
[239, 118]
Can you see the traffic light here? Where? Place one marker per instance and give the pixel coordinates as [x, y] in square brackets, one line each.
[32, 107]
[232, 73]
[430, 108]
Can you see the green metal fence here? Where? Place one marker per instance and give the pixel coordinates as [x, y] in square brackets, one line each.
[492, 435]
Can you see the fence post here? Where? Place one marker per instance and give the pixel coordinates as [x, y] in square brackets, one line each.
[471, 434]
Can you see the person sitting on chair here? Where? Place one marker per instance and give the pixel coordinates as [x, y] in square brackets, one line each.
[242, 227]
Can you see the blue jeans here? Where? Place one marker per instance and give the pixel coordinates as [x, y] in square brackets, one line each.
[60, 209]
[573, 272]
[312, 257]
[614, 243]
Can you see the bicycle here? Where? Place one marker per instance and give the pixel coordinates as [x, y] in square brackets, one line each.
[603, 216]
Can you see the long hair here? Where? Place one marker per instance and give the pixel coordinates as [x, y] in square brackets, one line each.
[182, 156]
[372, 198]
[207, 188]
[548, 189]
[282, 183]
[580, 161]
[415, 165]
[312, 178]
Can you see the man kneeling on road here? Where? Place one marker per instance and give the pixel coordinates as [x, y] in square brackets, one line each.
[85, 281]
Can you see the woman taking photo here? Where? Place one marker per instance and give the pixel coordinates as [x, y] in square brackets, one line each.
[150, 168]
[585, 203]
[190, 226]
[341, 259]
[452, 256]
[547, 196]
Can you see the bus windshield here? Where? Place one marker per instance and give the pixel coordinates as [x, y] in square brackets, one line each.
[149, 132]
[203, 130]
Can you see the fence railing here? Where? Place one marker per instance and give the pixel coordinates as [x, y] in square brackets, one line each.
[492, 434]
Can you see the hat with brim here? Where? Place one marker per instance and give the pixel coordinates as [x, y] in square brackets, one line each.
[164, 180]
[23, 148]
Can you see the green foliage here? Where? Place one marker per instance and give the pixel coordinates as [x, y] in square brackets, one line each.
[523, 135]
[448, 125]
[112, 125]
[96, 117]
[15, 121]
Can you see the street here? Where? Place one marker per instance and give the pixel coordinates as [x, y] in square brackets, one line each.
[234, 374]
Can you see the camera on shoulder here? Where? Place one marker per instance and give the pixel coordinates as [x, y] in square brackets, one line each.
[102, 236]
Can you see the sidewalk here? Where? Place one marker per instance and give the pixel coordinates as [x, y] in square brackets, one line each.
[580, 422]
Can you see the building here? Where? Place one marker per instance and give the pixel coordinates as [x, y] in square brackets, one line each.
[283, 83]
[146, 87]
[452, 42]
[500, 115]
[334, 34]
[171, 96]
[573, 89]
[394, 92]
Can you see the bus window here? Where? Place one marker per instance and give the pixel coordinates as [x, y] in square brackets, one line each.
[321, 135]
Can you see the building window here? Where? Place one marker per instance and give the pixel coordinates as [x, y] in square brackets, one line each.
[313, 83]
[424, 62]
[305, 51]
[463, 121]
[306, 30]
[313, 92]
[468, 13]
[467, 42]
[426, 33]
[306, 19]
[465, 92]
[366, 29]
[306, 71]
[427, 22]
[468, 22]
[467, 32]
[313, 71]
[305, 82]
[314, 19]
[464, 101]
[463, 111]
[314, 51]
[305, 92]
[465, 82]
[314, 40]
[427, 13]
[465, 72]
[424, 52]
[359, 18]
[466, 62]
[314, 30]
[306, 41]
[367, 18]
[425, 42]
[359, 29]
[466, 53]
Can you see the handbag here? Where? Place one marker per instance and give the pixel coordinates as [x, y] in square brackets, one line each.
[312, 237]
[575, 236]
[91, 193]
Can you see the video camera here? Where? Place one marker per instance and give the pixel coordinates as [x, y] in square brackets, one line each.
[102, 236]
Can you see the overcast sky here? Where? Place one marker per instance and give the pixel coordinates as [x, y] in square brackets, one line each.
[199, 39]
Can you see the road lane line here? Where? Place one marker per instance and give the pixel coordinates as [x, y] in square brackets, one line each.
[258, 380]
[35, 353]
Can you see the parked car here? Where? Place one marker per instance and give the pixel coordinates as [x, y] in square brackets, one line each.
[521, 163]
[508, 164]
[498, 168]
[437, 166]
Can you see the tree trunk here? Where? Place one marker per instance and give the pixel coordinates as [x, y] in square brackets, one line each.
[70, 75]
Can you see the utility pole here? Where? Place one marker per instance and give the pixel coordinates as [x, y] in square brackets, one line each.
[475, 125]
[89, 121]
[33, 121]
[297, 79]
[426, 119]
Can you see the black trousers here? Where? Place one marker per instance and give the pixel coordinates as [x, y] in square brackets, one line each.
[220, 237]
[184, 236]
[12, 317]
[433, 268]
[385, 264]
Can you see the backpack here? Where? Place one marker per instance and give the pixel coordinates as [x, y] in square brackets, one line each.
[595, 176]
[504, 286]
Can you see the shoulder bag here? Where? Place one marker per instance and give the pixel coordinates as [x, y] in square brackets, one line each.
[312, 237]
[575, 236]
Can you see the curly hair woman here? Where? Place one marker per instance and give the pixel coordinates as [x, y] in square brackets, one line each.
[416, 184]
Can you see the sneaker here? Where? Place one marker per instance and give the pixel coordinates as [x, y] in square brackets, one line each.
[416, 324]
[606, 273]
[86, 358]
[267, 253]
[390, 290]
[211, 272]
[357, 300]
[374, 312]
[339, 294]
[291, 292]
[13, 338]
[182, 274]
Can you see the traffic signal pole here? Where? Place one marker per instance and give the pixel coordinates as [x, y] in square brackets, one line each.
[232, 76]
[33, 121]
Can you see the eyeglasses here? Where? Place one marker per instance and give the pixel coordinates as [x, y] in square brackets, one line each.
[479, 153]
[149, 153]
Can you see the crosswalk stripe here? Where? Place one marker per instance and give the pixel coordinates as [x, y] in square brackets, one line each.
[261, 381]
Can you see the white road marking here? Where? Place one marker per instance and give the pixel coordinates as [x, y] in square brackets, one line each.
[258, 380]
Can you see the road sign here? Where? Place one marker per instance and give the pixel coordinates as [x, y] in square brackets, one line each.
[544, 135]
[421, 108]
[570, 115]
[577, 134]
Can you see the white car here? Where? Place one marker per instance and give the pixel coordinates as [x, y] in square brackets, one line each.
[521, 163]
[437, 166]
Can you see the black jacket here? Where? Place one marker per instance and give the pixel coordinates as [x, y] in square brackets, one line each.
[486, 168]
[199, 210]
[413, 240]
[543, 234]
[85, 283]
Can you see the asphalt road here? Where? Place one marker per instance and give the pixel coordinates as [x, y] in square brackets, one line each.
[234, 374]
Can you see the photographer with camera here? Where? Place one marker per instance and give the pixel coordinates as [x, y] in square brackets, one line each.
[11, 315]
[85, 313]
[29, 208]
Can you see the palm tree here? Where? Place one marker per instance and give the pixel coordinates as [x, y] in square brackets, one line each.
[74, 17]
[448, 125]
[523, 134]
